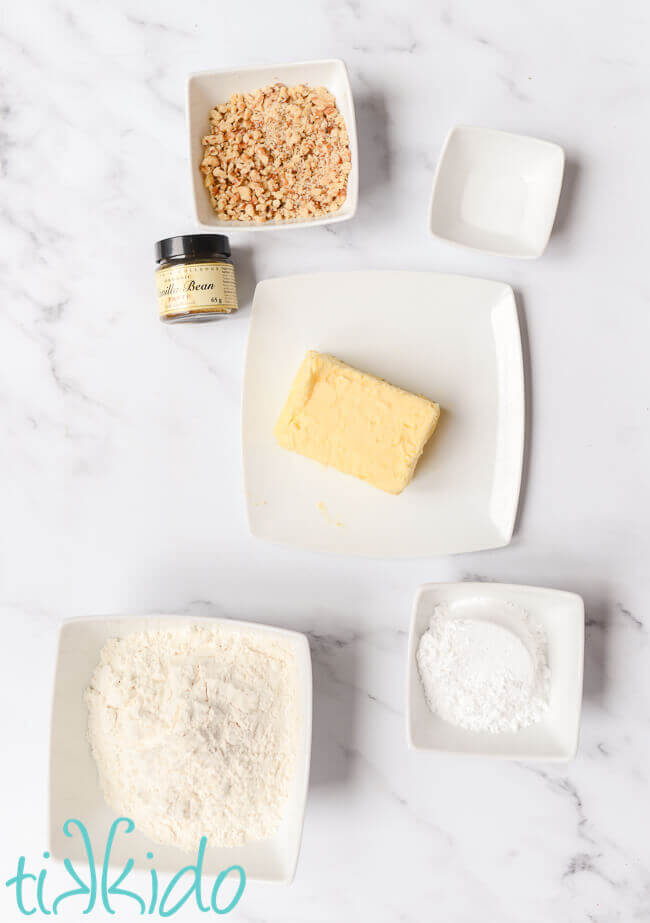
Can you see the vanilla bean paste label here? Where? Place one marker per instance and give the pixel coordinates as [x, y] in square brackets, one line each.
[196, 288]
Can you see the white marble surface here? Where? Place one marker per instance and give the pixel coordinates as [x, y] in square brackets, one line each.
[120, 484]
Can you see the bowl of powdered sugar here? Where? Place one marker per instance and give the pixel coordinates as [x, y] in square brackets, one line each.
[191, 728]
[495, 670]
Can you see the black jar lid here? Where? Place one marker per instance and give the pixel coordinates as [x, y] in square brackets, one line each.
[193, 246]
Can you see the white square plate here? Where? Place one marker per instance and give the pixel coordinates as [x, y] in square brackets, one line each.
[206, 90]
[74, 785]
[496, 191]
[451, 338]
[562, 616]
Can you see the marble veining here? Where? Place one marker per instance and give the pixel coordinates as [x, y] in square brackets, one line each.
[121, 487]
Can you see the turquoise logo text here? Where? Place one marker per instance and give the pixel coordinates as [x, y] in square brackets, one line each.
[96, 887]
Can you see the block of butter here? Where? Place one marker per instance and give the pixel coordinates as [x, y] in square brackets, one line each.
[355, 422]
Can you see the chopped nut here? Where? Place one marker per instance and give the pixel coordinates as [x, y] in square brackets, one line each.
[276, 153]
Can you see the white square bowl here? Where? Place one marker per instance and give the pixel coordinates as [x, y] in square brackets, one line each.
[206, 90]
[74, 784]
[496, 191]
[555, 737]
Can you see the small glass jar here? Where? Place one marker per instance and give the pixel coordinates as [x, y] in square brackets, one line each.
[195, 278]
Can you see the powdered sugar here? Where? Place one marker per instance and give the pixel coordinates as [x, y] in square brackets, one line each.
[484, 675]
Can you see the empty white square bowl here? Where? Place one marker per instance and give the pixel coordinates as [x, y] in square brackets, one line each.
[75, 791]
[496, 191]
[555, 736]
[206, 90]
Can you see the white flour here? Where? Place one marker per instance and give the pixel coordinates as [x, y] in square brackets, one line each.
[194, 733]
[480, 675]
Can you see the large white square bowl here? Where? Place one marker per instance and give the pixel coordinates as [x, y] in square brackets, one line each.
[453, 339]
[206, 90]
[562, 616]
[496, 191]
[74, 784]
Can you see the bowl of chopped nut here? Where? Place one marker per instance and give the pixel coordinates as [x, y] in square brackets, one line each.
[273, 147]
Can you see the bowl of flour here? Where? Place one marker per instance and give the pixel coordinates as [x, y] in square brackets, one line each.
[189, 726]
[495, 670]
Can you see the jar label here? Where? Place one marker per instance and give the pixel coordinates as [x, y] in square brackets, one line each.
[196, 288]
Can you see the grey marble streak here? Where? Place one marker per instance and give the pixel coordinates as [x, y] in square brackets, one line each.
[120, 462]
